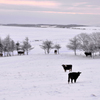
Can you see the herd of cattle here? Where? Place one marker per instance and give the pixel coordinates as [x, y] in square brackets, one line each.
[72, 75]
[22, 52]
[55, 51]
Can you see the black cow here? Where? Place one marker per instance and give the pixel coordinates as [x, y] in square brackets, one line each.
[55, 51]
[20, 52]
[88, 54]
[67, 67]
[73, 76]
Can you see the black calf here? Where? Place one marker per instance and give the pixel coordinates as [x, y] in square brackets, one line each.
[55, 51]
[67, 67]
[73, 76]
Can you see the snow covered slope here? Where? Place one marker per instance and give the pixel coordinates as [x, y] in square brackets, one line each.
[41, 77]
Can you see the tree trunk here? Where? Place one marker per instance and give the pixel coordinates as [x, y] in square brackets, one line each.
[27, 52]
[48, 51]
[58, 51]
[75, 52]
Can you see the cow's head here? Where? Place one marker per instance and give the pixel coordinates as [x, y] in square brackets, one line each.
[79, 73]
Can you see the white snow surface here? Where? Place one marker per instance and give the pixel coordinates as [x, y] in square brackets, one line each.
[40, 76]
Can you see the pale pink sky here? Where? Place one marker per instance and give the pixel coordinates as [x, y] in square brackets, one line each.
[50, 11]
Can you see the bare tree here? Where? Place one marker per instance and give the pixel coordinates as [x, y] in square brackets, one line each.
[96, 41]
[47, 46]
[1, 46]
[73, 44]
[26, 45]
[7, 47]
[44, 48]
[84, 41]
[12, 45]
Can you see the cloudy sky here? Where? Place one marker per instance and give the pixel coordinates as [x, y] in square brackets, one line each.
[50, 12]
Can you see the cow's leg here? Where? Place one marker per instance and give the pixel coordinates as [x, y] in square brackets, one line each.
[71, 80]
[65, 70]
[75, 80]
[90, 55]
[68, 79]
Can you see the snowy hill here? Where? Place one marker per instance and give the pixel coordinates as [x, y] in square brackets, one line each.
[41, 77]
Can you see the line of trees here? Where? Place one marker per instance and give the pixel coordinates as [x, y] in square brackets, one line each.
[85, 42]
[7, 46]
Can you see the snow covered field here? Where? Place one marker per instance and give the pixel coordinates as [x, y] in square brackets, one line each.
[41, 77]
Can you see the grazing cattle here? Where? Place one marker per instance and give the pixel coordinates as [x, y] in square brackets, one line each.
[73, 76]
[88, 54]
[55, 51]
[20, 52]
[67, 67]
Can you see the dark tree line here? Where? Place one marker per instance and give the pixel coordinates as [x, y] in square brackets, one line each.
[8, 46]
